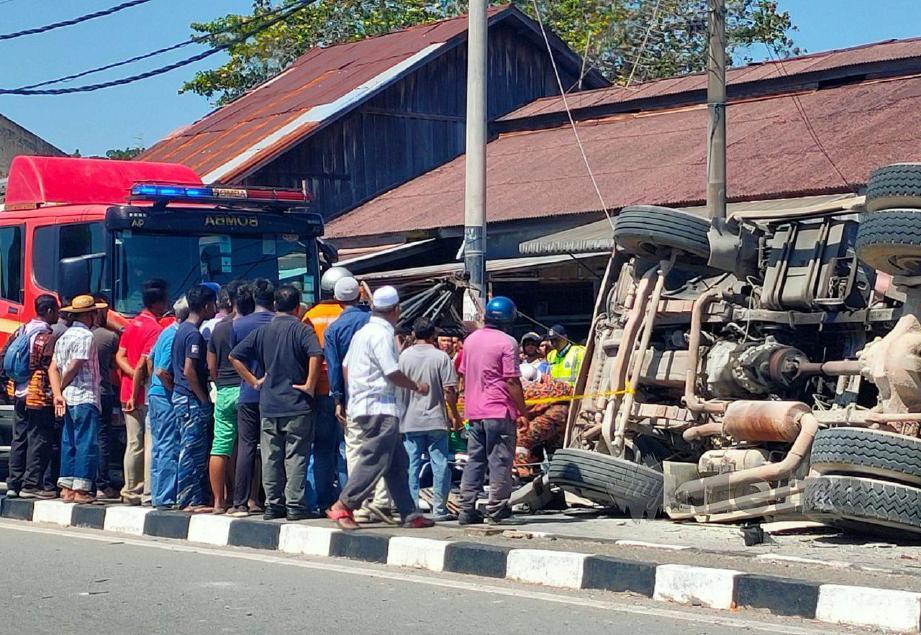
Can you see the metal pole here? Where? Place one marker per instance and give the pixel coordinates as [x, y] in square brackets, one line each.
[475, 197]
[716, 105]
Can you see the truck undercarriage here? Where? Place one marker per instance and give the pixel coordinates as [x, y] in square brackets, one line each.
[788, 382]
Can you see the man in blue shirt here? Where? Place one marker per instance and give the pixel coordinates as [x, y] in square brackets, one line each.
[191, 402]
[248, 417]
[338, 337]
[164, 427]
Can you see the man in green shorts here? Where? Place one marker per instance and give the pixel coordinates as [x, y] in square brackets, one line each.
[227, 383]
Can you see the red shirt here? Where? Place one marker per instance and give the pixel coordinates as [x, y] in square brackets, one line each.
[137, 340]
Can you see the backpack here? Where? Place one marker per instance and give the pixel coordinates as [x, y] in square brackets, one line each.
[17, 356]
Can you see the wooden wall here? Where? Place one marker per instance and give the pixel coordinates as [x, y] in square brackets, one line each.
[412, 127]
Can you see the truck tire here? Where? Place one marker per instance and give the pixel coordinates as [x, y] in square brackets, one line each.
[890, 241]
[607, 480]
[863, 505]
[893, 186]
[868, 452]
[654, 232]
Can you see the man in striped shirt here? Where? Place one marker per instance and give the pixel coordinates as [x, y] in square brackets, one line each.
[77, 385]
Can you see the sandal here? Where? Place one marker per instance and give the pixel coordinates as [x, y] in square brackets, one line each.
[343, 518]
[197, 509]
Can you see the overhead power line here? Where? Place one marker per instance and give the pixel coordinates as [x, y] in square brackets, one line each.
[73, 21]
[195, 40]
[575, 130]
[805, 117]
[289, 11]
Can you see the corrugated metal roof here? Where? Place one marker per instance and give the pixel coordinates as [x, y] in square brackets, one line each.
[597, 236]
[318, 87]
[789, 69]
[660, 158]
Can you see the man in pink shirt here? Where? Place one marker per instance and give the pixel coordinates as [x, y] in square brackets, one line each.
[493, 403]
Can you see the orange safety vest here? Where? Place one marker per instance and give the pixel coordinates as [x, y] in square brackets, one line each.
[321, 315]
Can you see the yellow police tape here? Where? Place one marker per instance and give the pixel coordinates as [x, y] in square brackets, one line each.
[628, 390]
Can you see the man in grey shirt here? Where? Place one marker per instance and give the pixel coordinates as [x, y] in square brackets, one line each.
[428, 419]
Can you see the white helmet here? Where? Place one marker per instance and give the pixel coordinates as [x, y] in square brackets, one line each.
[331, 277]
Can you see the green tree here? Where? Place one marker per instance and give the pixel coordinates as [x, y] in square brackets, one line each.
[126, 154]
[627, 40]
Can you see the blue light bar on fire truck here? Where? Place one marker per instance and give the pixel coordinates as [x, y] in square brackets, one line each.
[264, 196]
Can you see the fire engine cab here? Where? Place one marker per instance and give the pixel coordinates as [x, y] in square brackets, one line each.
[72, 225]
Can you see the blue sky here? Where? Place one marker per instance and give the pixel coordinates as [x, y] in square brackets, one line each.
[142, 113]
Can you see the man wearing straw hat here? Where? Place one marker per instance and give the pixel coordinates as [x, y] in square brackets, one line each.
[77, 385]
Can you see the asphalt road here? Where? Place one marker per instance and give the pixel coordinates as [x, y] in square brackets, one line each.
[75, 581]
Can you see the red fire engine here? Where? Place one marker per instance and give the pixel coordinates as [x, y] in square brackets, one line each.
[73, 226]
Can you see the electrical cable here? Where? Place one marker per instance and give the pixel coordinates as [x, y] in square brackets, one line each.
[195, 40]
[655, 13]
[575, 131]
[798, 104]
[291, 10]
[73, 21]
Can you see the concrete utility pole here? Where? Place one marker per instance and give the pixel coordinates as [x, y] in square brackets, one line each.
[716, 105]
[475, 198]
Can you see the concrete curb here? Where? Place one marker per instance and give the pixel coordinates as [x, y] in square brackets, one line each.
[704, 586]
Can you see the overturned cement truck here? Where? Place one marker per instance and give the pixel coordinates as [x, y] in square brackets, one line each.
[761, 367]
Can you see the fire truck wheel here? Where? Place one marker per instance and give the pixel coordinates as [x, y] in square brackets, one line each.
[654, 232]
[893, 186]
[890, 241]
[864, 505]
[606, 480]
[868, 452]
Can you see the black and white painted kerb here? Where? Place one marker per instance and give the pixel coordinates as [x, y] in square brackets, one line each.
[704, 586]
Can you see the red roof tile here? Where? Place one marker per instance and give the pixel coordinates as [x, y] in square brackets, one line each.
[235, 139]
[659, 157]
[888, 51]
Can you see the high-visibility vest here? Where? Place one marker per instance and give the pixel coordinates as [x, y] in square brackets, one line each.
[564, 366]
[320, 316]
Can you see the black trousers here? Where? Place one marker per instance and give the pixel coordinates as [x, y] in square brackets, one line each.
[31, 448]
[248, 429]
[103, 478]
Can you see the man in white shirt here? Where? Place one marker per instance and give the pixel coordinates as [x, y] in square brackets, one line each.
[372, 371]
[77, 388]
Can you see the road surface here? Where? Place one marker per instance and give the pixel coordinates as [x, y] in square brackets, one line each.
[67, 580]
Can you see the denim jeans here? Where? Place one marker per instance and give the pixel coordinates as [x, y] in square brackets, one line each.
[323, 471]
[433, 443]
[80, 447]
[194, 418]
[164, 453]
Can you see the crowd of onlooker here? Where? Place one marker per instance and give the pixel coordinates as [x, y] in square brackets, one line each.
[345, 413]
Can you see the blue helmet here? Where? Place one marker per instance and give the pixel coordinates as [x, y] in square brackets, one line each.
[500, 310]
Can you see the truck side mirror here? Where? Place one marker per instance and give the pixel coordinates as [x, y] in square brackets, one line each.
[75, 276]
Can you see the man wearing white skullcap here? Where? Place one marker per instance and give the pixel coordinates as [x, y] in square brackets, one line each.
[373, 375]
